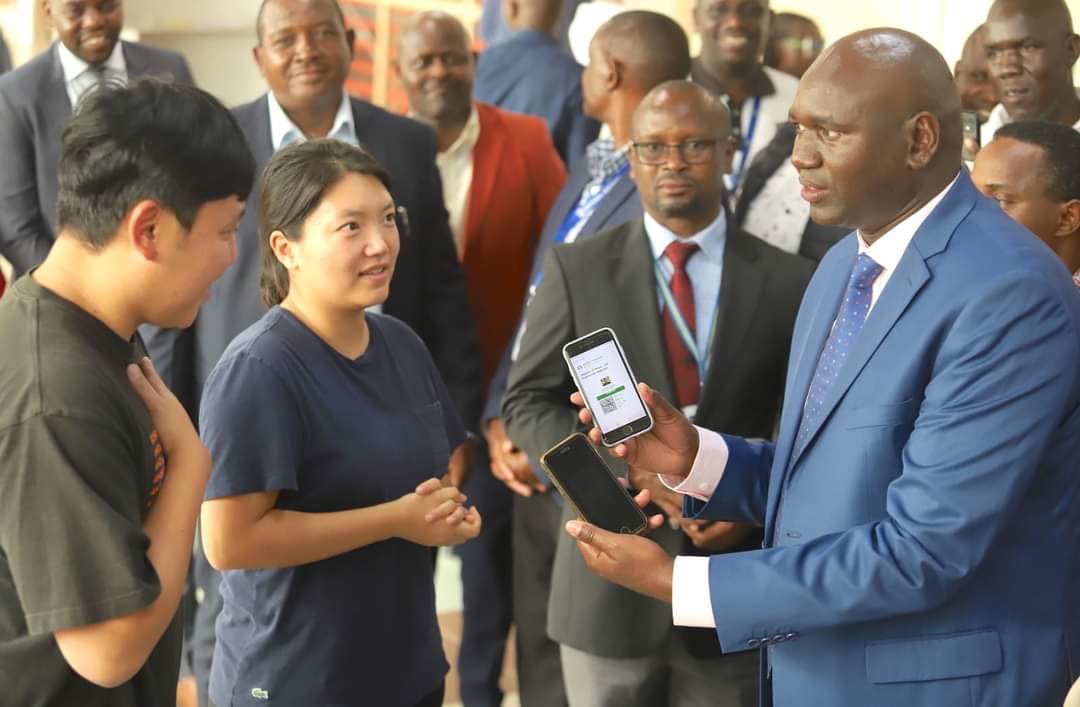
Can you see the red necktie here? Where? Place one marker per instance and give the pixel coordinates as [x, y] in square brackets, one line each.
[684, 368]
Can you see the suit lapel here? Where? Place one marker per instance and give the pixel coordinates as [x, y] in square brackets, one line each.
[487, 158]
[910, 276]
[566, 200]
[634, 280]
[740, 288]
[134, 61]
[262, 143]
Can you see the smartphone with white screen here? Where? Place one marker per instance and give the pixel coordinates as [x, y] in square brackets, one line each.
[602, 375]
[586, 482]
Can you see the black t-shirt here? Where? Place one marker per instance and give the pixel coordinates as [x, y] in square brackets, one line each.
[283, 411]
[80, 466]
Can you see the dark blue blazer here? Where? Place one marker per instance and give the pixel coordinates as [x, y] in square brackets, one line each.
[34, 106]
[619, 206]
[922, 549]
[530, 73]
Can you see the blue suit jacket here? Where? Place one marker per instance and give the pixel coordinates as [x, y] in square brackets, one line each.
[616, 208]
[923, 548]
[530, 73]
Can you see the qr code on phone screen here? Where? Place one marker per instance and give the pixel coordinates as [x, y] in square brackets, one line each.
[607, 406]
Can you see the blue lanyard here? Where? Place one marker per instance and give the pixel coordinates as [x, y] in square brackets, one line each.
[584, 209]
[734, 180]
[701, 358]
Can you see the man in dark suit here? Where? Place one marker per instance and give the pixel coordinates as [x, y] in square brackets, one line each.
[737, 297]
[920, 502]
[531, 73]
[631, 54]
[304, 53]
[36, 100]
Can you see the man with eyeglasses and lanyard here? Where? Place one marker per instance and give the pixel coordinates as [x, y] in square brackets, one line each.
[704, 312]
[630, 54]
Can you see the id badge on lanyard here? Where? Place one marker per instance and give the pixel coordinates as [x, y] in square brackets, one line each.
[733, 181]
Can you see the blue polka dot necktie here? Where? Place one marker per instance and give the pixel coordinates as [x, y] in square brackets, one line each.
[848, 324]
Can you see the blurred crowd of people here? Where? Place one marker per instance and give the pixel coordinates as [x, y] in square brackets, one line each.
[334, 335]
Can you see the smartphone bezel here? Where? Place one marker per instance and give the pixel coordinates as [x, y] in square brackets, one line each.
[591, 341]
[579, 438]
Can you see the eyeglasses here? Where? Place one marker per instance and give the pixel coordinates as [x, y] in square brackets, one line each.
[693, 151]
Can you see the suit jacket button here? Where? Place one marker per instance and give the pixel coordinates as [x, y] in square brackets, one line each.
[790, 636]
[779, 637]
[793, 534]
[753, 643]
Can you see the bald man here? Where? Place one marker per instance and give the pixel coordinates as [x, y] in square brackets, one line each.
[1031, 48]
[920, 504]
[972, 73]
[630, 55]
[617, 647]
[500, 176]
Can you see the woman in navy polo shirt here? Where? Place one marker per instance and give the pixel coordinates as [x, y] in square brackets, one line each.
[329, 428]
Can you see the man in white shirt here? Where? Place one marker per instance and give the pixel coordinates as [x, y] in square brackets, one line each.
[919, 505]
[1031, 49]
[36, 100]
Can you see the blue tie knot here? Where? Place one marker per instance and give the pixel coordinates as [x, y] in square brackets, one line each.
[864, 273]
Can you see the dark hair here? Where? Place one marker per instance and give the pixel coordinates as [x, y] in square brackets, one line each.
[293, 184]
[262, 11]
[171, 143]
[1061, 154]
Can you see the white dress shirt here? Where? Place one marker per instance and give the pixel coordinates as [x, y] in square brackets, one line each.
[456, 169]
[999, 117]
[690, 604]
[284, 132]
[80, 77]
[705, 270]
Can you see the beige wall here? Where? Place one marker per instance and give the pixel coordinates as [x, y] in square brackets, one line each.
[217, 35]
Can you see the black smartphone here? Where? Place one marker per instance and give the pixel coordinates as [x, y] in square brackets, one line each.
[584, 480]
[970, 121]
[599, 368]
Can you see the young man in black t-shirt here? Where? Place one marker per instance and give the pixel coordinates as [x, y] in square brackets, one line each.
[101, 471]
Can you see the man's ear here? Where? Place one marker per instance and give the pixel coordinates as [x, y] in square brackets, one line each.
[350, 39]
[257, 55]
[1073, 49]
[613, 73]
[924, 138]
[1068, 225]
[142, 228]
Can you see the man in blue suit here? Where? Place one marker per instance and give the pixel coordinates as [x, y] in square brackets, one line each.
[921, 504]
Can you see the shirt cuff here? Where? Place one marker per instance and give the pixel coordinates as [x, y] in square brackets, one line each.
[708, 468]
[691, 596]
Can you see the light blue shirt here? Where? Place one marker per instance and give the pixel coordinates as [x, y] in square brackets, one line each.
[705, 269]
[283, 132]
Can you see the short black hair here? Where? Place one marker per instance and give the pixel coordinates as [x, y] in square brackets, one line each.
[293, 185]
[262, 11]
[653, 46]
[171, 143]
[1060, 145]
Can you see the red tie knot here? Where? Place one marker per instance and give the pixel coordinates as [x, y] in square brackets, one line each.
[678, 252]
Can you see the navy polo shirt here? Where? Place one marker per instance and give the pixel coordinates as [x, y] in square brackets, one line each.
[284, 411]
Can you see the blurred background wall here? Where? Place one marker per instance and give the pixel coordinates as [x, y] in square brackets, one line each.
[217, 35]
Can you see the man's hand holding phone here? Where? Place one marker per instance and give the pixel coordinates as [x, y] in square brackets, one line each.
[668, 449]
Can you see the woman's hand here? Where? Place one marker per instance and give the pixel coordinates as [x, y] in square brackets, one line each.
[436, 515]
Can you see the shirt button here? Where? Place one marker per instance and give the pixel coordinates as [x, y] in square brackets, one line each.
[703, 487]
